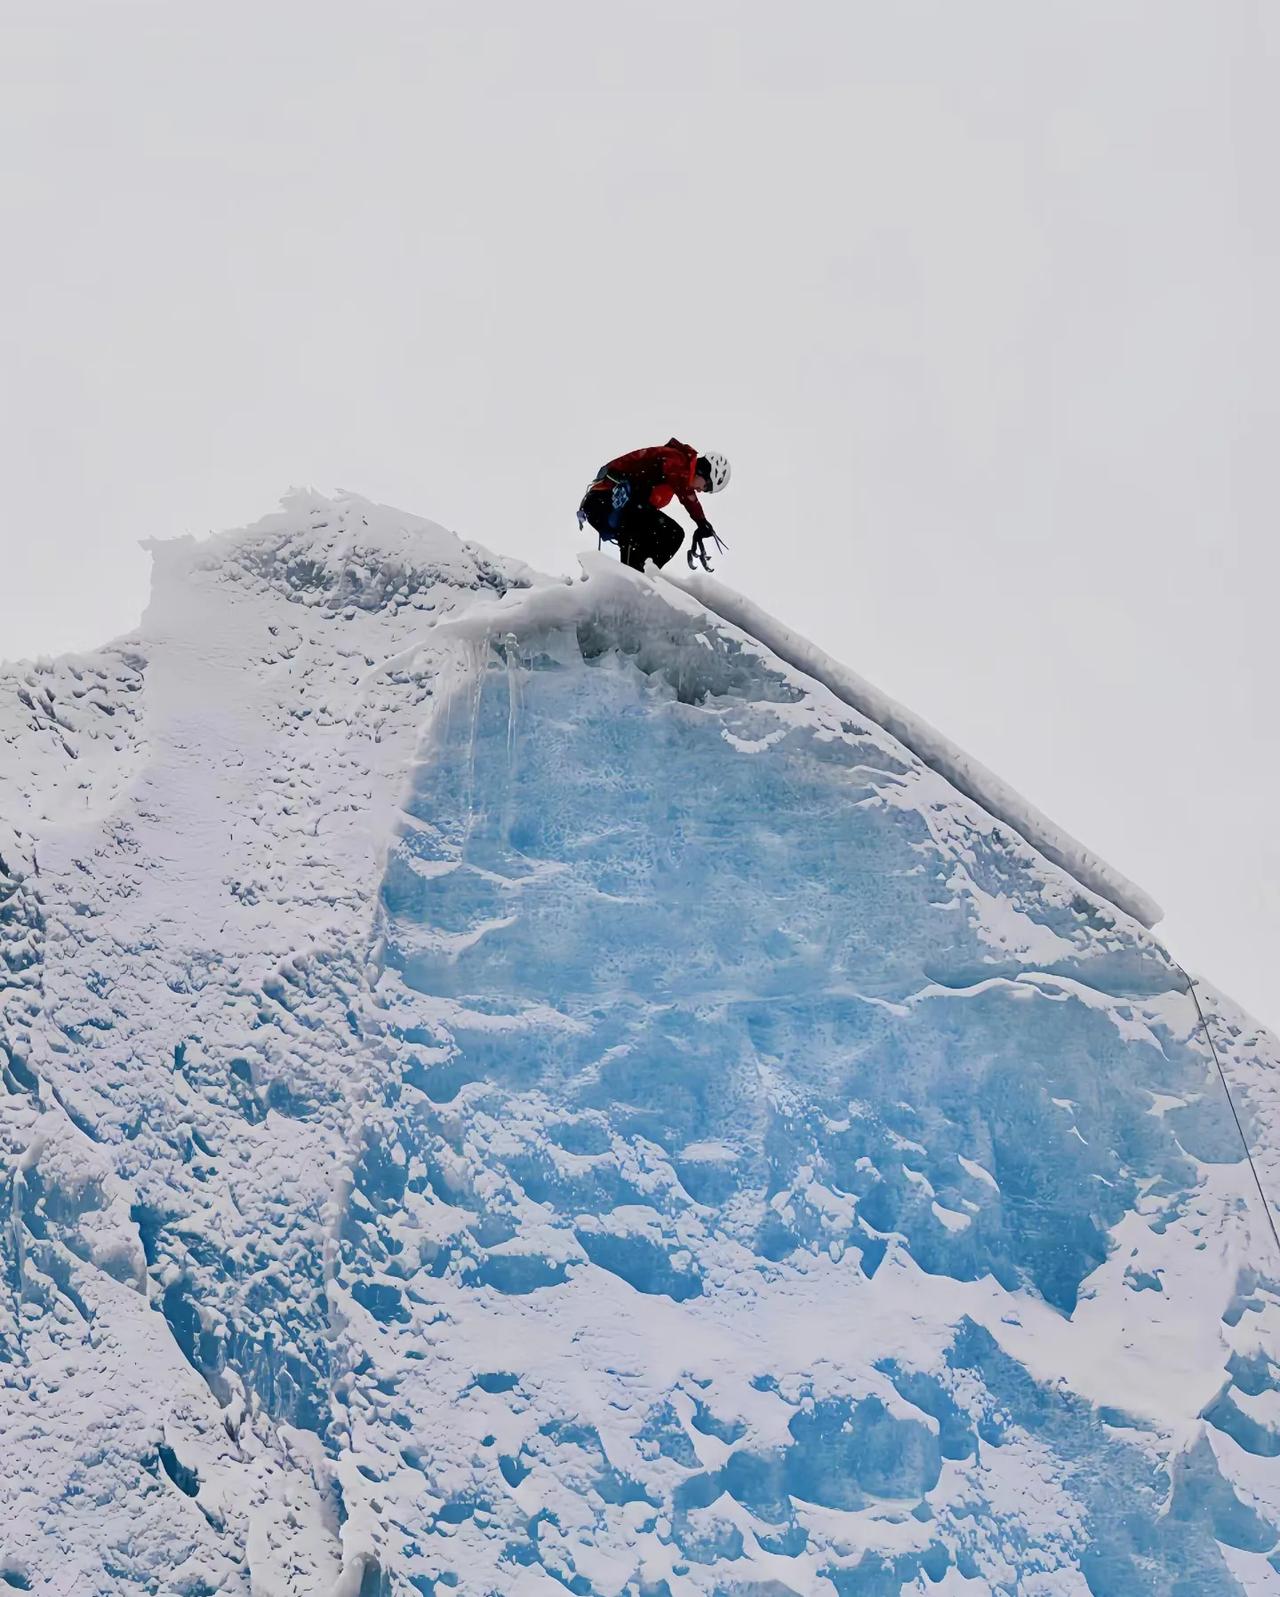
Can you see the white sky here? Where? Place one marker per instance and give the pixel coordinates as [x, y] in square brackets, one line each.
[979, 298]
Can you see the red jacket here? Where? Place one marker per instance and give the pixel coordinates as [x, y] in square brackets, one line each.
[657, 475]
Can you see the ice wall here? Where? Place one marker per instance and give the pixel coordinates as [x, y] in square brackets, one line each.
[511, 1087]
[785, 1116]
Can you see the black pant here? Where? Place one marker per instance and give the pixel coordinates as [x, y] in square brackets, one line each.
[642, 532]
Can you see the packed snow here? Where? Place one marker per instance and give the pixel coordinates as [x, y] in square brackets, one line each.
[517, 1086]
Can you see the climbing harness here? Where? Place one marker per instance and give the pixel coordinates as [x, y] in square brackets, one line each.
[620, 494]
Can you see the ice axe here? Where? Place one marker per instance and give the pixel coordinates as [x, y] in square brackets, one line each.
[697, 548]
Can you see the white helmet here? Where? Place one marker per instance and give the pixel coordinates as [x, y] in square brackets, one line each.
[715, 468]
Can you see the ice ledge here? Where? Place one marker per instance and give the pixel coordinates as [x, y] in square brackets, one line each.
[972, 778]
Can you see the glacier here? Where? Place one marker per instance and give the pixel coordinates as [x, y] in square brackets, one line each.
[523, 1086]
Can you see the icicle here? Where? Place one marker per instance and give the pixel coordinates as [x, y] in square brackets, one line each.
[477, 664]
[515, 704]
[512, 648]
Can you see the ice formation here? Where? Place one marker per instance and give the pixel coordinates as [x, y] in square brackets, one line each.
[512, 1087]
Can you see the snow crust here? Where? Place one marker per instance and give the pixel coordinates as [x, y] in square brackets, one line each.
[516, 1086]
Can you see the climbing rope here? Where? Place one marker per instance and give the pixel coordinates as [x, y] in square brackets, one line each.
[1226, 1087]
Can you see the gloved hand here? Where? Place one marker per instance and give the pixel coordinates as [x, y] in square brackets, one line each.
[697, 547]
[621, 493]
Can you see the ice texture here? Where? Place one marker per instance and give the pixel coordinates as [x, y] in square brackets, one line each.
[510, 1087]
[938, 752]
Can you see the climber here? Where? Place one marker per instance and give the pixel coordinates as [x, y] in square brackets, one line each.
[624, 502]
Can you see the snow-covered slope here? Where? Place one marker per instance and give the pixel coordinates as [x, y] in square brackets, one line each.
[512, 1088]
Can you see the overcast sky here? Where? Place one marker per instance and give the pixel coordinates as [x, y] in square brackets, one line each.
[978, 297]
